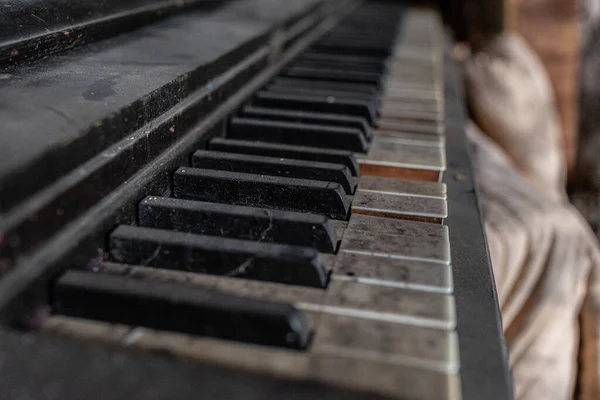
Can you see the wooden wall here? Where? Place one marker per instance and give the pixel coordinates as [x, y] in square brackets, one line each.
[550, 26]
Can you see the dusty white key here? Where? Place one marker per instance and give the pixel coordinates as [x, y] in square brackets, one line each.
[390, 304]
[396, 238]
[376, 376]
[393, 272]
[398, 160]
[390, 108]
[402, 206]
[407, 115]
[402, 186]
[431, 128]
[401, 344]
[415, 139]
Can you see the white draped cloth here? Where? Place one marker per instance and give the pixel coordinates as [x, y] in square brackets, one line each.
[546, 260]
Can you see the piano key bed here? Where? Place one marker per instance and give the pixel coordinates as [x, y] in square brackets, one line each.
[306, 239]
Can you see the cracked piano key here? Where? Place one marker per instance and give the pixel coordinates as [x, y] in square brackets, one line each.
[279, 193]
[393, 272]
[217, 256]
[199, 311]
[306, 117]
[388, 237]
[279, 292]
[333, 156]
[239, 222]
[261, 165]
[415, 139]
[320, 103]
[374, 302]
[392, 159]
[292, 294]
[402, 206]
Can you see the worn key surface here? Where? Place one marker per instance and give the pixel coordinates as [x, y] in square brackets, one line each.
[402, 186]
[217, 255]
[342, 86]
[322, 136]
[321, 103]
[402, 206]
[251, 164]
[398, 160]
[239, 222]
[170, 306]
[394, 272]
[396, 238]
[383, 303]
[344, 157]
[292, 194]
[308, 118]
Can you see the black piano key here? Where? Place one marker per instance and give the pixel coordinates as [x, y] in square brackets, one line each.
[320, 103]
[340, 95]
[356, 40]
[216, 255]
[274, 192]
[333, 74]
[346, 158]
[181, 308]
[373, 61]
[339, 64]
[341, 86]
[307, 117]
[294, 133]
[359, 49]
[239, 222]
[282, 167]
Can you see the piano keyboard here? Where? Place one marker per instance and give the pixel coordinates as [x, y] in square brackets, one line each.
[303, 237]
[307, 242]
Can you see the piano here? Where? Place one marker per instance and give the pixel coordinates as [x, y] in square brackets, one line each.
[245, 199]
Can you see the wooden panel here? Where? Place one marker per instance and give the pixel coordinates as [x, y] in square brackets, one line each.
[550, 27]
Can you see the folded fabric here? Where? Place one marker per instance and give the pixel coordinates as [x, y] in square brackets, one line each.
[511, 99]
[546, 262]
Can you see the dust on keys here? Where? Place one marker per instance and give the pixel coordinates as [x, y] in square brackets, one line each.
[309, 241]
